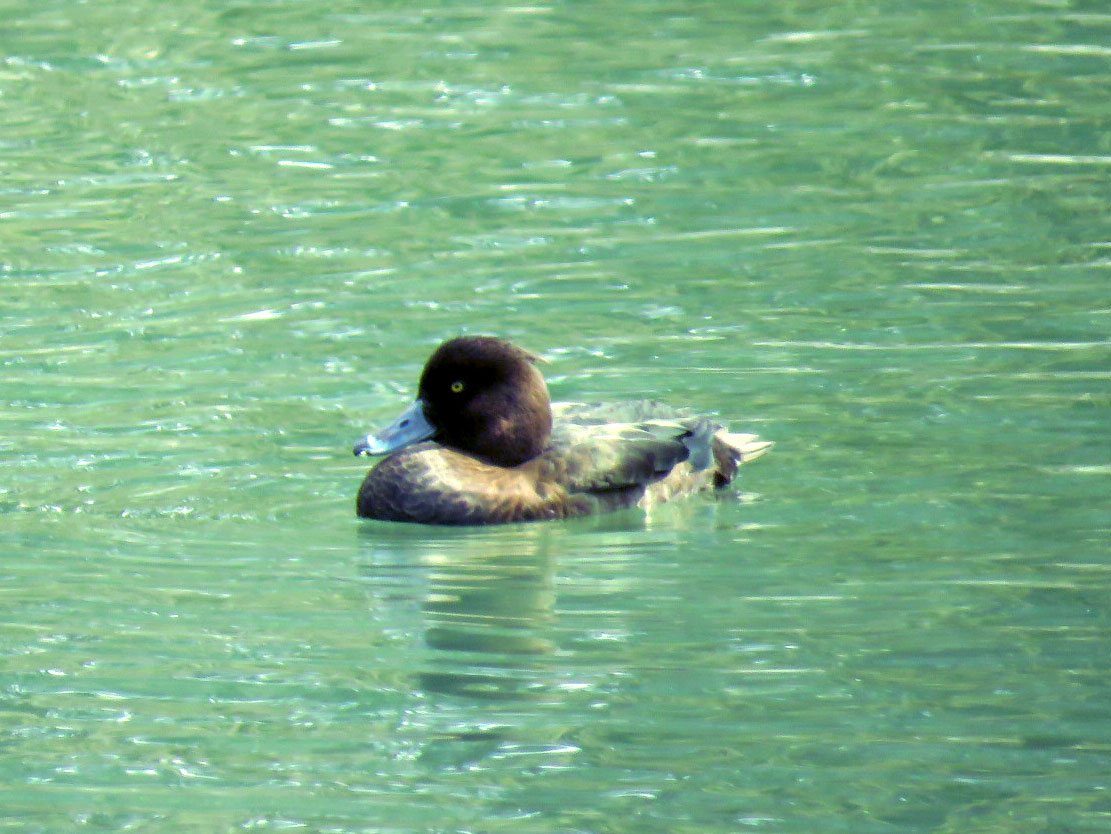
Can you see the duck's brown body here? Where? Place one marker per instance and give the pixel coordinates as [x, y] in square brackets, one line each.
[589, 459]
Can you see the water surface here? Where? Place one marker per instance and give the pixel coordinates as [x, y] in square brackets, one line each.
[233, 233]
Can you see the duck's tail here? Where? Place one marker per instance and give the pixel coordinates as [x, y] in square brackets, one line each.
[731, 449]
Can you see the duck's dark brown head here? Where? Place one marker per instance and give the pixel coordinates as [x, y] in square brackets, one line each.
[485, 396]
[477, 394]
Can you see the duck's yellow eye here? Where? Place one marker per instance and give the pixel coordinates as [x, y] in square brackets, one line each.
[456, 387]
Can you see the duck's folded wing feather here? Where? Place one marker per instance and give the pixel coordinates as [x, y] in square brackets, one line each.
[609, 456]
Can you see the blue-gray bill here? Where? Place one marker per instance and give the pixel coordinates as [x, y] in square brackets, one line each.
[410, 427]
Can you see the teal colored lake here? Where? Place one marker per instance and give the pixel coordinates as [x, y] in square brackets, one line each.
[876, 234]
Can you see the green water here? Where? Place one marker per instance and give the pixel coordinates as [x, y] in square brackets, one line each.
[875, 233]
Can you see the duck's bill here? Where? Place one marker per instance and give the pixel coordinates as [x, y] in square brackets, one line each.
[410, 427]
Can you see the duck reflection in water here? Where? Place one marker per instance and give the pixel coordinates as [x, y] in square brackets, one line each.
[488, 615]
[487, 607]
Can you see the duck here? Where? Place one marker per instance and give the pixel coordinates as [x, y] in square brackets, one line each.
[482, 443]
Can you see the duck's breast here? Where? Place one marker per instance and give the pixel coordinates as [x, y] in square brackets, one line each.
[431, 484]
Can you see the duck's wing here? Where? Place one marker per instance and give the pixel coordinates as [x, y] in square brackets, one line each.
[597, 456]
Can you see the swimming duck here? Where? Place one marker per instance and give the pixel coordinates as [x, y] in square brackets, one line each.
[483, 444]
